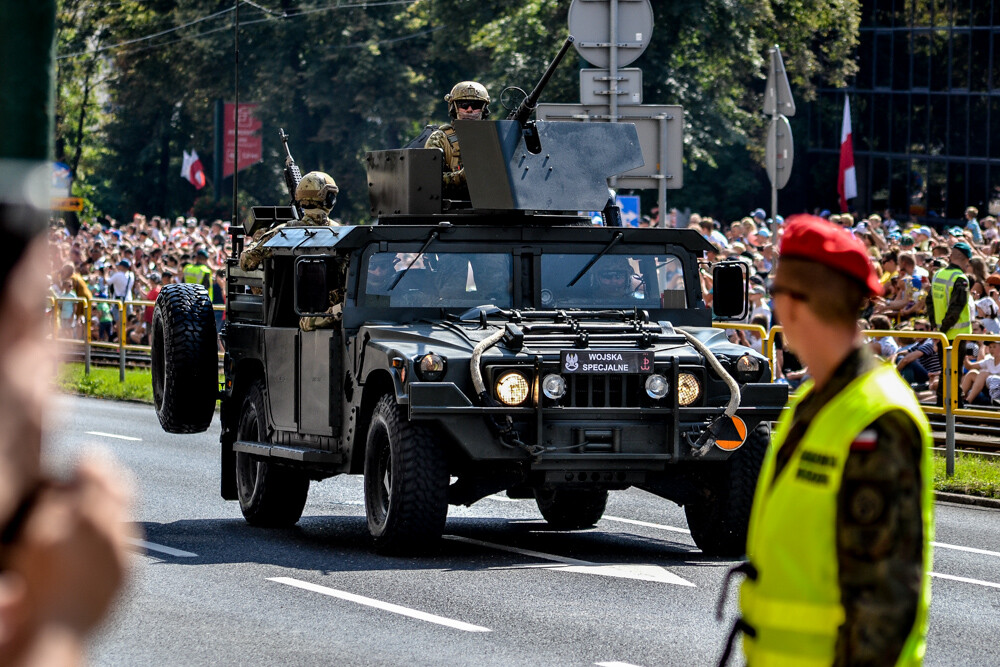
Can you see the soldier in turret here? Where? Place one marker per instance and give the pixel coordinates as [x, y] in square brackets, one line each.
[316, 193]
[468, 100]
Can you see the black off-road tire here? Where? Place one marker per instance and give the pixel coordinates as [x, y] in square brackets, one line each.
[185, 364]
[406, 482]
[719, 522]
[571, 509]
[270, 495]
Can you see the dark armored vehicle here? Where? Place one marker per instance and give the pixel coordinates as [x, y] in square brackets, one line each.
[456, 349]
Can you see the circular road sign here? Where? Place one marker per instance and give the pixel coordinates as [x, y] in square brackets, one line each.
[590, 23]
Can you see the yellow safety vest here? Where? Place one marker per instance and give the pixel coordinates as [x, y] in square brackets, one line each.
[794, 603]
[198, 273]
[941, 287]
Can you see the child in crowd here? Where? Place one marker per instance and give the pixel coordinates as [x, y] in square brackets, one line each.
[979, 372]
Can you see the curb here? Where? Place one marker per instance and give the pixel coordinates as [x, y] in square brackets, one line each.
[962, 499]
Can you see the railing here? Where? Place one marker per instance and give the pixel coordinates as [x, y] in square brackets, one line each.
[950, 374]
[87, 341]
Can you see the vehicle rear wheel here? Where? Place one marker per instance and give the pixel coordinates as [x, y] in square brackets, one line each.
[719, 522]
[406, 482]
[185, 367]
[270, 495]
[571, 509]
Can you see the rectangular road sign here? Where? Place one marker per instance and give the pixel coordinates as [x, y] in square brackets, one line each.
[67, 204]
[595, 86]
[661, 136]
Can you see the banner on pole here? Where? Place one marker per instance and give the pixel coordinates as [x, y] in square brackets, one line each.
[250, 146]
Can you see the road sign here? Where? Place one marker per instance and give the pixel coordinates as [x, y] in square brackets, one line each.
[629, 205]
[590, 23]
[778, 94]
[779, 152]
[661, 136]
[595, 86]
[67, 204]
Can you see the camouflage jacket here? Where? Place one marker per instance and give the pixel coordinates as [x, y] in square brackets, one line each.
[254, 253]
[445, 139]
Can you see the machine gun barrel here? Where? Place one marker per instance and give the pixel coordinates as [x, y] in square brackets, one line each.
[292, 173]
[527, 105]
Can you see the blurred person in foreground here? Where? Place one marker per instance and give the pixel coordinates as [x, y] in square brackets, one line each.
[62, 541]
[842, 519]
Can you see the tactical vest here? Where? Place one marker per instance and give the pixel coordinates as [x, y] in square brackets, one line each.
[794, 604]
[455, 163]
[941, 288]
[198, 273]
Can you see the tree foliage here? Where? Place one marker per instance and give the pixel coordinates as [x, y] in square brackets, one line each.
[138, 80]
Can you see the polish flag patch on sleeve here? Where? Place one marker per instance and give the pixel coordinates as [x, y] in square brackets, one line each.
[865, 441]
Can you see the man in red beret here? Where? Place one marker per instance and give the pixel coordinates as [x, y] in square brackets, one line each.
[840, 530]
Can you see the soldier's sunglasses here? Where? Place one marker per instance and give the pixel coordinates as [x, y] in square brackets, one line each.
[469, 104]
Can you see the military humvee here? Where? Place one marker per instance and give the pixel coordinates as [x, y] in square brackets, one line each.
[469, 347]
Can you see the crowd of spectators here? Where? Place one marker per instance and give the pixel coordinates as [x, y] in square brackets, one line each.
[108, 261]
[905, 256]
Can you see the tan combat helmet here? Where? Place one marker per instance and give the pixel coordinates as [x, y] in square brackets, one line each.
[468, 90]
[317, 190]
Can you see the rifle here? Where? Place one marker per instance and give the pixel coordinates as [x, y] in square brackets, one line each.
[292, 174]
[528, 104]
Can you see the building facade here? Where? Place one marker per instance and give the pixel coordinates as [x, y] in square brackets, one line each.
[925, 111]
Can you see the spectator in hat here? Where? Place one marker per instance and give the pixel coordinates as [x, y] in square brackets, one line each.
[845, 531]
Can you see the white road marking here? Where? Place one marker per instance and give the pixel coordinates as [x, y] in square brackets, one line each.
[963, 579]
[170, 551]
[378, 604]
[113, 435]
[646, 524]
[615, 664]
[641, 572]
[969, 549]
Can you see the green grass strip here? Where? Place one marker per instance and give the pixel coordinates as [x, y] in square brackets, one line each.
[974, 475]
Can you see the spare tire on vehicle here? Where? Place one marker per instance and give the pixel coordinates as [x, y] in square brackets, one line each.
[184, 359]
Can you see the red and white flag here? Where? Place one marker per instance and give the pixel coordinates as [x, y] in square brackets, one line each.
[847, 181]
[192, 171]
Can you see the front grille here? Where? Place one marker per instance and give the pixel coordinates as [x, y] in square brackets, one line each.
[605, 391]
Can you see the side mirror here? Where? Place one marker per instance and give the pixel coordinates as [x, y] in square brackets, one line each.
[312, 297]
[729, 290]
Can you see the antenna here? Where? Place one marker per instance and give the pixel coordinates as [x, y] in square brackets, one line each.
[236, 119]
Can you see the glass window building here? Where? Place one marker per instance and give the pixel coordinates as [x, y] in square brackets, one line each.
[925, 108]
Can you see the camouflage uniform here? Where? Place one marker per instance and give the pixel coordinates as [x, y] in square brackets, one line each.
[255, 252]
[879, 524]
[445, 139]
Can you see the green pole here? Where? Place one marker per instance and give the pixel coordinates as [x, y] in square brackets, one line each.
[27, 57]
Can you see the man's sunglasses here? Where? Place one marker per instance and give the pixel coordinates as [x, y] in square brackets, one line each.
[469, 104]
[790, 293]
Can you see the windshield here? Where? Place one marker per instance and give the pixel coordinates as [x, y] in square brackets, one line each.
[438, 280]
[615, 281]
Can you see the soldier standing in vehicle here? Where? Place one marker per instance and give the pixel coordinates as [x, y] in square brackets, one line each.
[316, 193]
[468, 100]
[842, 519]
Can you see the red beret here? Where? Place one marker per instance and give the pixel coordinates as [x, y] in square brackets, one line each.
[811, 238]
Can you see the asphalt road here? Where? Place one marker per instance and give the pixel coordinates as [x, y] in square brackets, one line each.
[503, 590]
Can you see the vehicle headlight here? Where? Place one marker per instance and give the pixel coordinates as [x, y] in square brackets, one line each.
[512, 388]
[554, 386]
[748, 368]
[432, 367]
[688, 389]
[657, 386]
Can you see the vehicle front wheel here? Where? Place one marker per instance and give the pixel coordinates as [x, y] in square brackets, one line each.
[719, 521]
[571, 509]
[270, 495]
[406, 482]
